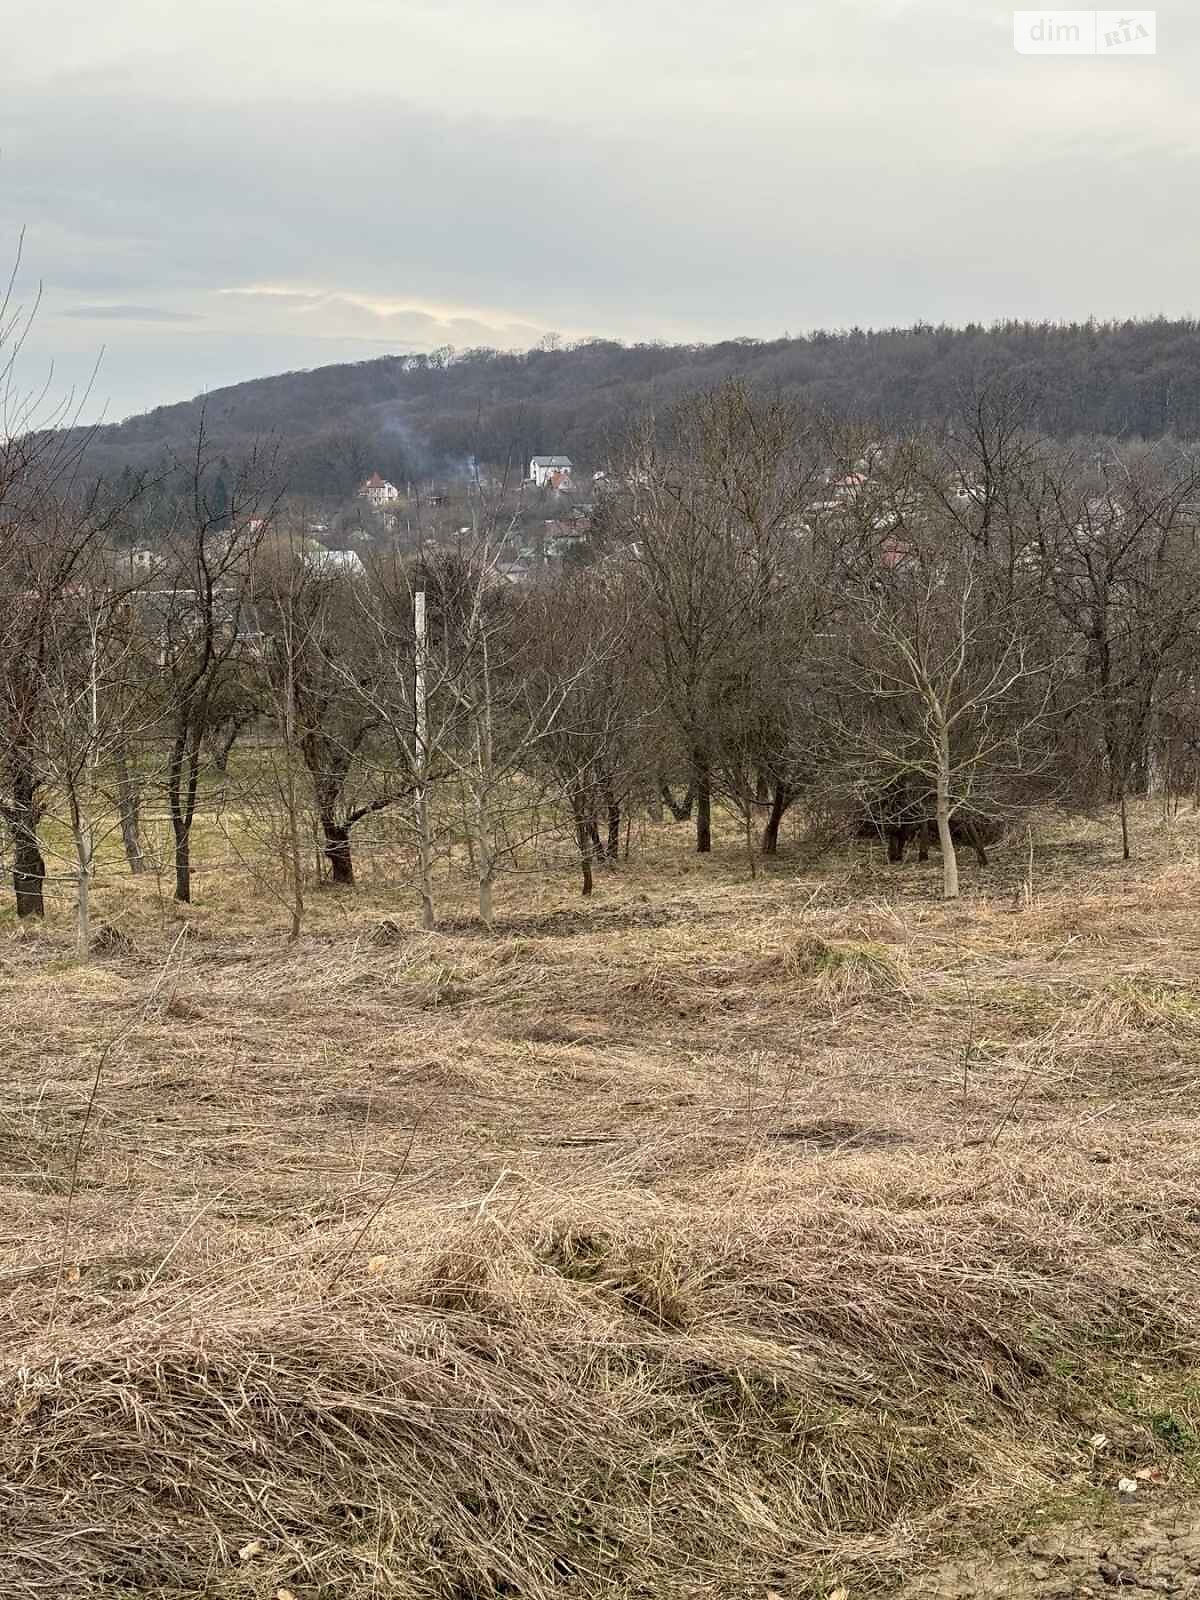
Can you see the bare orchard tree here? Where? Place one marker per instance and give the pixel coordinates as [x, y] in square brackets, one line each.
[400, 690]
[499, 718]
[94, 700]
[941, 691]
[42, 552]
[760, 735]
[767, 743]
[715, 494]
[1121, 561]
[202, 625]
[579, 637]
[322, 669]
[457, 702]
[44, 568]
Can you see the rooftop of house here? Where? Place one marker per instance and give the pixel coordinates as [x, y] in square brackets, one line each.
[164, 613]
[550, 461]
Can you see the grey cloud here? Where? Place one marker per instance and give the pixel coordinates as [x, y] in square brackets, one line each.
[119, 313]
[683, 171]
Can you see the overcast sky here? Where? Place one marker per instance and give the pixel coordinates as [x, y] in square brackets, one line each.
[219, 189]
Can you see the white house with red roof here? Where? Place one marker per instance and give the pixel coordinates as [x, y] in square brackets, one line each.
[378, 491]
[550, 471]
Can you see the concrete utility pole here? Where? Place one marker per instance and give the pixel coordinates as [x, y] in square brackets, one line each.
[424, 830]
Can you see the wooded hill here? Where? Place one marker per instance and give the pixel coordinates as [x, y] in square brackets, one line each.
[429, 414]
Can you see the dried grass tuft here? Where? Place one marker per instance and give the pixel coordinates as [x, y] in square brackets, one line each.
[841, 972]
[1139, 1004]
[110, 941]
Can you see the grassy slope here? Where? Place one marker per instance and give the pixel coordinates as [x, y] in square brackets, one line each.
[712, 1238]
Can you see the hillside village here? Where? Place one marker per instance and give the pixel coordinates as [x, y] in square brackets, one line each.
[538, 523]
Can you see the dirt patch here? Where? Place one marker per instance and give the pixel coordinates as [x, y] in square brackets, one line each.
[1135, 1554]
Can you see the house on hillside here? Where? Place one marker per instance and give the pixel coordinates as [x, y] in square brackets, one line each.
[552, 471]
[847, 487]
[896, 552]
[378, 491]
[143, 561]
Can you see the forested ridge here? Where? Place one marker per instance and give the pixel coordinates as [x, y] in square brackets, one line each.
[429, 413]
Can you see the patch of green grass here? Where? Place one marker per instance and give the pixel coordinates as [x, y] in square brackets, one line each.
[1172, 1431]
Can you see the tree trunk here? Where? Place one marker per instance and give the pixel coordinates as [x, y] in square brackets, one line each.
[290, 789]
[224, 741]
[613, 808]
[1138, 768]
[584, 839]
[337, 851]
[82, 836]
[183, 863]
[770, 835]
[681, 810]
[29, 866]
[129, 811]
[703, 787]
[1124, 827]
[83, 908]
[181, 798]
[975, 839]
[945, 837]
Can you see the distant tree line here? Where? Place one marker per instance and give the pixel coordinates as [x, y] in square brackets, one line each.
[429, 414]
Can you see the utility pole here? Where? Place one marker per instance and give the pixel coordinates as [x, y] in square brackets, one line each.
[424, 831]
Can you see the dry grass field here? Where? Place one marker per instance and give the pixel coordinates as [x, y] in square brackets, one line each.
[721, 1238]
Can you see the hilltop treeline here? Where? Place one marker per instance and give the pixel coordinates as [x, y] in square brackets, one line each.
[429, 414]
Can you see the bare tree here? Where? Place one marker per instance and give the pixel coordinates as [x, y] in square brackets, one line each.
[42, 552]
[941, 692]
[580, 645]
[323, 668]
[94, 700]
[203, 628]
[715, 494]
[1121, 560]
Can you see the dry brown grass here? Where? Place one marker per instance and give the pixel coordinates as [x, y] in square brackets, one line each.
[711, 1239]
